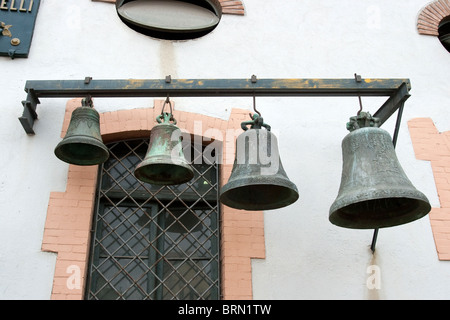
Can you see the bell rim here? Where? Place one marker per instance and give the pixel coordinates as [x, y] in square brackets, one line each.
[293, 194]
[262, 178]
[186, 167]
[81, 162]
[337, 217]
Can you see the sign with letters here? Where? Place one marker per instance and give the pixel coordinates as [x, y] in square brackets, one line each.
[17, 20]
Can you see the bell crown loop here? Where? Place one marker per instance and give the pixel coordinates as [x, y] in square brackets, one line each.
[257, 122]
[166, 117]
[87, 102]
[362, 120]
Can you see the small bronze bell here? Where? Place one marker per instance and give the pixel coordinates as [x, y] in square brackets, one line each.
[83, 144]
[375, 191]
[165, 163]
[258, 180]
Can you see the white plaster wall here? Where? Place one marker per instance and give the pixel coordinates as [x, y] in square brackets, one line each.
[306, 256]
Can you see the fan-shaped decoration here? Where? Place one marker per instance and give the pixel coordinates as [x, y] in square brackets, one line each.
[431, 16]
[232, 7]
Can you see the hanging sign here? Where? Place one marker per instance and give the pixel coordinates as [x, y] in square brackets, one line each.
[17, 20]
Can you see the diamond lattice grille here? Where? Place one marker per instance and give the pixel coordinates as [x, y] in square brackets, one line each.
[154, 242]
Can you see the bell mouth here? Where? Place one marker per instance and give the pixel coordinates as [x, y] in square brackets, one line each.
[164, 173]
[379, 213]
[72, 151]
[259, 196]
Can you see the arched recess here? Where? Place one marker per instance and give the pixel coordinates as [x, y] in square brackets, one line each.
[431, 16]
[69, 213]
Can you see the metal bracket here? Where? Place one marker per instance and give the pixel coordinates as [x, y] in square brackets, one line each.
[29, 111]
[394, 102]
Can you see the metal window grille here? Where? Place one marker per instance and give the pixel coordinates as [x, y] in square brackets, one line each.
[154, 242]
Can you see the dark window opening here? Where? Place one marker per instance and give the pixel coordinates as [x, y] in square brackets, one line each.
[444, 33]
[153, 242]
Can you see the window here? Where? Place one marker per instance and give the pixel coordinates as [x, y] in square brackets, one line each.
[154, 242]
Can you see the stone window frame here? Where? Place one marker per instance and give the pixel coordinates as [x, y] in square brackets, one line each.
[68, 223]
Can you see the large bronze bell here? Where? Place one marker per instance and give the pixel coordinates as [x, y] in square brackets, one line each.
[83, 144]
[375, 191]
[165, 163]
[258, 180]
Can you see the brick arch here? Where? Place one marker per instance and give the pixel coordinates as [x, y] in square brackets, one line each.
[431, 15]
[69, 214]
[232, 7]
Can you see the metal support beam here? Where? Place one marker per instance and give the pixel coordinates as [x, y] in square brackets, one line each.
[215, 87]
[396, 89]
[396, 100]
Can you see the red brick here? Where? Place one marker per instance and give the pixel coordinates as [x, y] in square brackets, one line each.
[431, 145]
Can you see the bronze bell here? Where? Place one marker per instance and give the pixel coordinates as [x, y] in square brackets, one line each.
[258, 180]
[83, 144]
[165, 163]
[375, 191]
